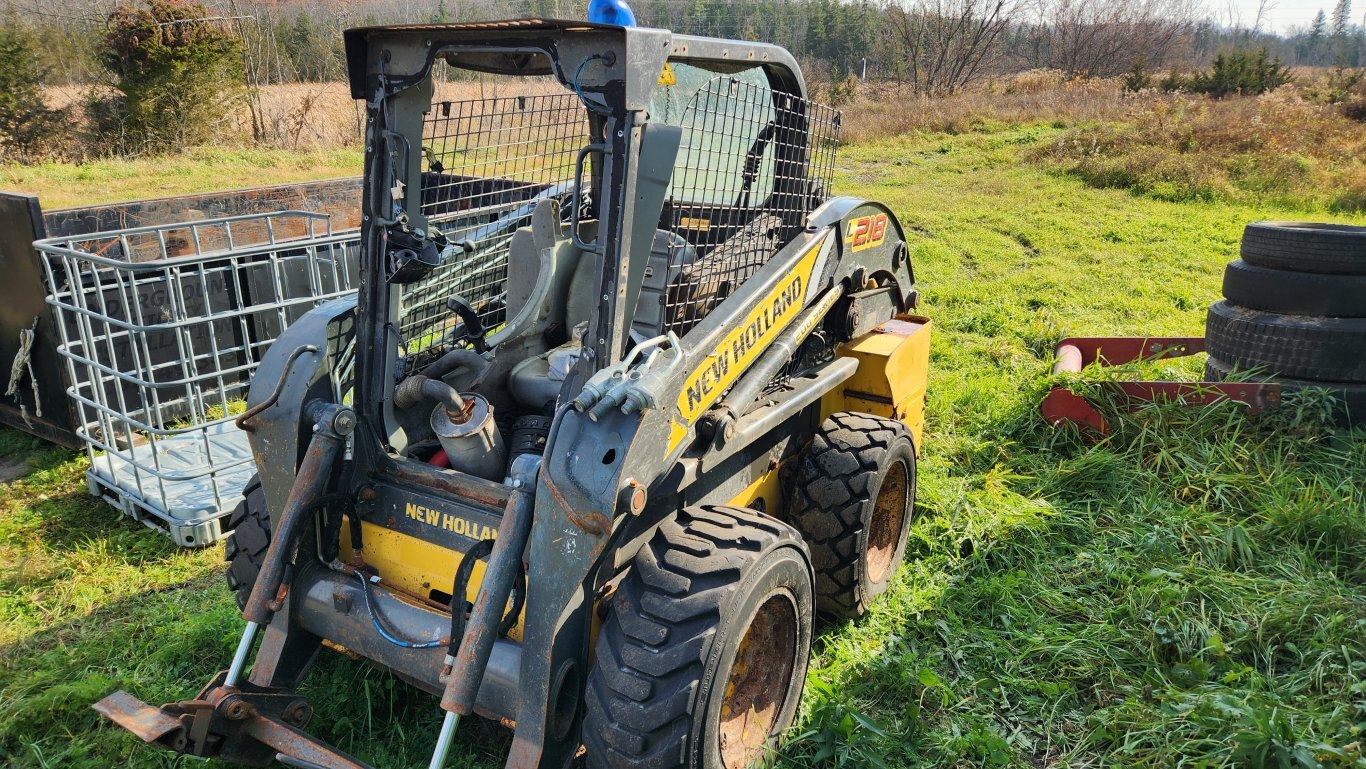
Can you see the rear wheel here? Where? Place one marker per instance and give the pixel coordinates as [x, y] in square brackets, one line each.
[701, 660]
[246, 547]
[853, 499]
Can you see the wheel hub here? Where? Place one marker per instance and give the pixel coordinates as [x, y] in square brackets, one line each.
[759, 680]
[889, 515]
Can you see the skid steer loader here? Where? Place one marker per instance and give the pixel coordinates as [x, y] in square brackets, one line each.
[625, 401]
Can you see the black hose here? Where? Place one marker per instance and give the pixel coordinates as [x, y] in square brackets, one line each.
[461, 588]
[342, 505]
[459, 606]
[458, 358]
[439, 391]
[416, 388]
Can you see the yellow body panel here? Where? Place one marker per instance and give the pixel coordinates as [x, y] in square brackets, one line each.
[743, 345]
[894, 365]
[415, 565]
[765, 487]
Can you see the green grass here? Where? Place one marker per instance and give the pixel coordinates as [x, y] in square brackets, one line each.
[66, 184]
[1190, 592]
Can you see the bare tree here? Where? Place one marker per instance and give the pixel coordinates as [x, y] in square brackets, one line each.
[947, 44]
[1108, 37]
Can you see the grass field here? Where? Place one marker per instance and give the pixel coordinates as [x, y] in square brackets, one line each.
[62, 185]
[1191, 592]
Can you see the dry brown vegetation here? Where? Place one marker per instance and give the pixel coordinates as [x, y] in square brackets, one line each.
[1301, 145]
[300, 116]
[1032, 97]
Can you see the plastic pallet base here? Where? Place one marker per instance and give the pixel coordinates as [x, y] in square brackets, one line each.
[201, 532]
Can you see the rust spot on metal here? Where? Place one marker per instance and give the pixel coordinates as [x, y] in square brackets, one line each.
[756, 692]
[299, 745]
[593, 522]
[890, 509]
[280, 596]
[492, 495]
[148, 723]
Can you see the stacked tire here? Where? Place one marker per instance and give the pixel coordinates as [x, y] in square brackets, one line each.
[1294, 312]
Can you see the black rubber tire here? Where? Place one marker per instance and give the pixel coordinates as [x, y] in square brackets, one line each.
[666, 650]
[1295, 293]
[246, 546]
[833, 504]
[1332, 249]
[1296, 346]
[1351, 407]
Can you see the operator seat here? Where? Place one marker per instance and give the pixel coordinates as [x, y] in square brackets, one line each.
[535, 382]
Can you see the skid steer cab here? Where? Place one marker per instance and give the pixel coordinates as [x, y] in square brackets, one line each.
[626, 400]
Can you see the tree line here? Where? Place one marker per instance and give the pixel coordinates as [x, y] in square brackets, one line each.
[158, 71]
[936, 45]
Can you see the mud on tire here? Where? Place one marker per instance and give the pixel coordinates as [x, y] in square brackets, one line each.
[250, 538]
[701, 660]
[852, 499]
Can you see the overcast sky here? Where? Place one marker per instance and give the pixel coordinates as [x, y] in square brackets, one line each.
[1280, 14]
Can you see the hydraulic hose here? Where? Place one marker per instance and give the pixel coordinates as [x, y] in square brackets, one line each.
[461, 589]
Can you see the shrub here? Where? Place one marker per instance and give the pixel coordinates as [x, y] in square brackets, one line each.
[179, 77]
[1241, 72]
[1138, 78]
[27, 127]
[1275, 147]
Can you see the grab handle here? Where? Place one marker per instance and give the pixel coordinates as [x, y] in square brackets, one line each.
[595, 247]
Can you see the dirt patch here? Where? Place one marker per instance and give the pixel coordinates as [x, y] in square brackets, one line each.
[12, 470]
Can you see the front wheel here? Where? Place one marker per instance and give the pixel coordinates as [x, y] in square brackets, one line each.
[701, 660]
[853, 499]
[245, 550]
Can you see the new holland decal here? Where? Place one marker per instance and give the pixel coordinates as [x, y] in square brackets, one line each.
[462, 526]
[750, 337]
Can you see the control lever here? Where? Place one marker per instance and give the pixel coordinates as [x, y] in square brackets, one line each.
[474, 327]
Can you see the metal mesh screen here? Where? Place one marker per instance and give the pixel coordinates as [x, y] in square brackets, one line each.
[487, 163]
[752, 165]
[162, 329]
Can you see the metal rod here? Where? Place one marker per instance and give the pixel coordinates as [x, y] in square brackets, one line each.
[444, 739]
[743, 397]
[462, 688]
[313, 475]
[239, 660]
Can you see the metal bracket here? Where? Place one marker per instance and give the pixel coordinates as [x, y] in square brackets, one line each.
[1062, 406]
[243, 724]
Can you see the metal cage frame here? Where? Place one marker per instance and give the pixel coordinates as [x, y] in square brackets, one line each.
[161, 329]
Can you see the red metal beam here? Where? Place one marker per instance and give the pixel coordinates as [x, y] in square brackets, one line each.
[1077, 352]
[1062, 406]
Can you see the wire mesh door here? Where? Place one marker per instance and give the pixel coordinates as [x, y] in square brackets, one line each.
[487, 163]
[753, 163]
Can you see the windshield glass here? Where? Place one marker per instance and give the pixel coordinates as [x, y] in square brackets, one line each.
[725, 117]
